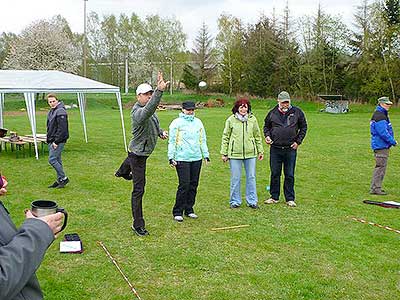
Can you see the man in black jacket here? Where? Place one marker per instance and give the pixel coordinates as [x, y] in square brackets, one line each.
[57, 135]
[285, 127]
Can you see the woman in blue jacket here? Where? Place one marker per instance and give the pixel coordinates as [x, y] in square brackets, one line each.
[187, 146]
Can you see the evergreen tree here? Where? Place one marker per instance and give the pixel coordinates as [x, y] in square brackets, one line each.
[189, 78]
[261, 52]
[204, 55]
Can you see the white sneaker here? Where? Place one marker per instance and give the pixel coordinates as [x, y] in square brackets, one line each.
[270, 201]
[178, 218]
[193, 216]
[291, 203]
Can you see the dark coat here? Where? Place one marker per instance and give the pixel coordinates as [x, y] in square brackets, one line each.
[57, 125]
[285, 129]
[21, 252]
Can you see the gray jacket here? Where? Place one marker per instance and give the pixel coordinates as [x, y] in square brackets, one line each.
[21, 252]
[145, 126]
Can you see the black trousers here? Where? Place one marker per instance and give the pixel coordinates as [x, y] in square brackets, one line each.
[137, 165]
[286, 158]
[188, 175]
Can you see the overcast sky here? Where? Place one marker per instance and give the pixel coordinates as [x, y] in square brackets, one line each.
[15, 15]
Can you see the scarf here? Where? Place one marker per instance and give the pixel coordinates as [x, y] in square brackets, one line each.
[241, 117]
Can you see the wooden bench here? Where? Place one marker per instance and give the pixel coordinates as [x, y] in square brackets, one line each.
[18, 145]
[31, 141]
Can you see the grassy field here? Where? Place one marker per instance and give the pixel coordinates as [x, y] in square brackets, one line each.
[314, 251]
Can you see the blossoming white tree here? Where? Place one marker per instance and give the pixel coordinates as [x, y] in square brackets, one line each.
[44, 45]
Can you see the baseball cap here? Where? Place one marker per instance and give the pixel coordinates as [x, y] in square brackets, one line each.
[143, 88]
[283, 96]
[188, 105]
[385, 100]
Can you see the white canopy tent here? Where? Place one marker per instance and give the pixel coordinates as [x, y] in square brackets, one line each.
[31, 82]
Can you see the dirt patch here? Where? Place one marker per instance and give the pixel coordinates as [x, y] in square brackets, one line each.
[21, 113]
[129, 105]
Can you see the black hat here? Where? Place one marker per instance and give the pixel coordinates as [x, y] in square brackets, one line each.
[188, 105]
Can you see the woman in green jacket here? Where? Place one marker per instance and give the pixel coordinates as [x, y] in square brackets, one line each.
[241, 145]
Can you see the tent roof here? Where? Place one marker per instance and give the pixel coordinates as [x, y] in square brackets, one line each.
[25, 81]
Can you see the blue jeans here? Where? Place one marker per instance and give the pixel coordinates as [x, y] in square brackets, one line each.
[55, 160]
[236, 174]
[286, 158]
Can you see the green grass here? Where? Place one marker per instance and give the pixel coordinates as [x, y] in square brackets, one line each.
[314, 251]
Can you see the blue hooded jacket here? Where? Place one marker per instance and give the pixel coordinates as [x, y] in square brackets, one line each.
[382, 136]
[187, 139]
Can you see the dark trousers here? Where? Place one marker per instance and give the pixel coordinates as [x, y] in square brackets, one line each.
[188, 175]
[381, 158]
[286, 158]
[137, 165]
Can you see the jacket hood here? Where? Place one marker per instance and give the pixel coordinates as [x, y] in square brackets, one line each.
[60, 105]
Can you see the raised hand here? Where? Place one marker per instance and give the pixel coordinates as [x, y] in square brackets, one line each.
[161, 84]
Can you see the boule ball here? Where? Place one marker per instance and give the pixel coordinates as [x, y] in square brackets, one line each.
[202, 85]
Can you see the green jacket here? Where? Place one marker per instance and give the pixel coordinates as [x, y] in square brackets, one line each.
[241, 140]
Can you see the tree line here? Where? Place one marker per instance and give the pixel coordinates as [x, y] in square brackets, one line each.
[307, 56]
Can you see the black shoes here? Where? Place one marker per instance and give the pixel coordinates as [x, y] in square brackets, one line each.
[54, 185]
[124, 176]
[62, 183]
[59, 184]
[254, 206]
[140, 231]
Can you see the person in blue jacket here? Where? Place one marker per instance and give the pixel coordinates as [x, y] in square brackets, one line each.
[382, 138]
[187, 146]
